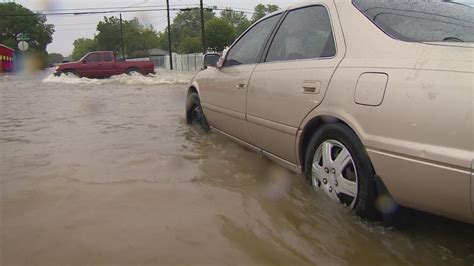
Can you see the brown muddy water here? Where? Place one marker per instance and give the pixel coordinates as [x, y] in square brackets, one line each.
[106, 172]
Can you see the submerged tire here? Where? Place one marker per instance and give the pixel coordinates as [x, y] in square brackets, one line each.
[194, 113]
[70, 72]
[132, 70]
[337, 162]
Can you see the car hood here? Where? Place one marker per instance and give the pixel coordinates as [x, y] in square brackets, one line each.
[66, 65]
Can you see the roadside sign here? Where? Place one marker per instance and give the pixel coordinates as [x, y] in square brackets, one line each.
[22, 37]
[23, 46]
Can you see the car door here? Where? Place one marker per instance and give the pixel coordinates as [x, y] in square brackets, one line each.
[90, 65]
[292, 80]
[224, 97]
[108, 65]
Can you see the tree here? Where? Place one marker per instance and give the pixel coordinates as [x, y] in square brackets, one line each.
[262, 10]
[237, 19]
[55, 58]
[82, 46]
[137, 38]
[108, 37]
[190, 45]
[220, 33]
[188, 24]
[149, 38]
[163, 40]
[32, 25]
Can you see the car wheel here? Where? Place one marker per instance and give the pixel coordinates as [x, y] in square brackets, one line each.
[339, 166]
[133, 71]
[194, 113]
[70, 73]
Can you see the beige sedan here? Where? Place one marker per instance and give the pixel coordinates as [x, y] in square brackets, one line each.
[371, 100]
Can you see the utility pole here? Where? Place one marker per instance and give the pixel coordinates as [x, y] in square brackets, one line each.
[169, 33]
[203, 31]
[121, 38]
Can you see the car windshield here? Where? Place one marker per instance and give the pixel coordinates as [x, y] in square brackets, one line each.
[422, 20]
[84, 57]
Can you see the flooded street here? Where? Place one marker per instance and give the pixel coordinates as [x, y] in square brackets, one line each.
[106, 172]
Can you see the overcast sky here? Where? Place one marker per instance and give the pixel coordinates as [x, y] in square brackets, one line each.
[69, 28]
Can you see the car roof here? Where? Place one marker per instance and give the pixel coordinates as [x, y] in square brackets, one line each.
[307, 3]
[295, 6]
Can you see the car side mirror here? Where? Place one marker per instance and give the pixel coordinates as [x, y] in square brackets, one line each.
[210, 60]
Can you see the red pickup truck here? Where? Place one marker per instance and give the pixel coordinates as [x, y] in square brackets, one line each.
[102, 64]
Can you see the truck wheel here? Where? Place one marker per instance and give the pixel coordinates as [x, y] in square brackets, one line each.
[194, 113]
[133, 71]
[339, 166]
[70, 73]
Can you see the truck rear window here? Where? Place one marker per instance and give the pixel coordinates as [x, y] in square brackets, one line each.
[421, 20]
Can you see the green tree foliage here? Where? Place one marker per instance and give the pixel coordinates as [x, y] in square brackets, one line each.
[34, 26]
[108, 37]
[220, 33]
[137, 38]
[191, 45]
[163, 39]
[55, 58]
[186, 31]
[262, 10]
[238, 20]
[82, 46]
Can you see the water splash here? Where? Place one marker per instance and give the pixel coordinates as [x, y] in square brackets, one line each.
[162, 77]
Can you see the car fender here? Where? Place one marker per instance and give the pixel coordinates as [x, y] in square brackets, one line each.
[332, 115]
[193, 84]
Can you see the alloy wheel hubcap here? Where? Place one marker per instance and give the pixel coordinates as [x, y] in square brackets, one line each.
[197, 114]
[334, 171]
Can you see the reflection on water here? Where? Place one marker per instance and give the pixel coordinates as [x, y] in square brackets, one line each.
[107, 172]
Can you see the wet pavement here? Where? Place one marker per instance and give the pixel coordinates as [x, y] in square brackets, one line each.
[106, 172]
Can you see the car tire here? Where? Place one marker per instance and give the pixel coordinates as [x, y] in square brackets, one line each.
[132, 70]
[70, 72]
[363, 204]
[194, 113]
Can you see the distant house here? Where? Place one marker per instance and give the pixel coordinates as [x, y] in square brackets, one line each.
[157, 56]
[7, 55]
[157, 52]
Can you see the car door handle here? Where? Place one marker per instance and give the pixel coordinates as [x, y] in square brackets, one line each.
[311, 87]
[241, 84]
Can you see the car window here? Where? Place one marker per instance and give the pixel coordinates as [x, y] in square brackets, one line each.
[305, 33]
[421, 21]
[248, 47]
[108, 57]
[96, 57]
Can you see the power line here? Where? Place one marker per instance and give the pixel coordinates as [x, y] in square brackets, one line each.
[87, 12]
[158, 22]
[134, 5]
[111, 7]
[74, 24]
[82, 29]
[81, 12]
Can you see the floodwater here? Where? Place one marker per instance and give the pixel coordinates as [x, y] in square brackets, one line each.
[106, 172]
